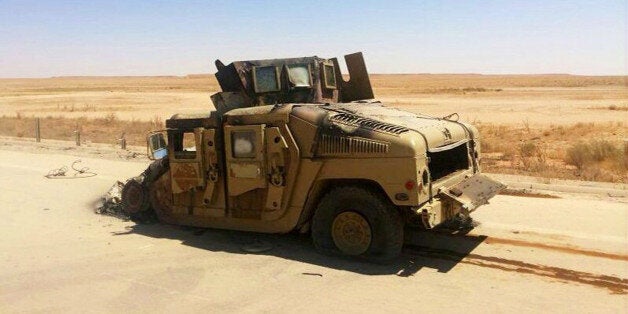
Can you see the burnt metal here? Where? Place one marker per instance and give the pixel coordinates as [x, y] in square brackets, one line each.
[359, 85]
[350, 119]
[188, 123]
[239, 78]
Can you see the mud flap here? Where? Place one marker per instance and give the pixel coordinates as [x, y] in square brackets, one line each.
[471, 192]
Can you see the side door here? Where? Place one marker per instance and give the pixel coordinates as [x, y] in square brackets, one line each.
[186, 169]
[258, 162]
[246, 173]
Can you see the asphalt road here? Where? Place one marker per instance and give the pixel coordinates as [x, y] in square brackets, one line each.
[565, 254]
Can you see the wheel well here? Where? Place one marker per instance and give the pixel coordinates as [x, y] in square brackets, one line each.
[321, 187]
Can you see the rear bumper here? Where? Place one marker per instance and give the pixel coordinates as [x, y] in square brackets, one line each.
[462, 197]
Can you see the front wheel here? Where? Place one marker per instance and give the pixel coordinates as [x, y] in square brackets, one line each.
[358, 222]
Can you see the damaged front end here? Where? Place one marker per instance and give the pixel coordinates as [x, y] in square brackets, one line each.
[443, 152]
[458, 200]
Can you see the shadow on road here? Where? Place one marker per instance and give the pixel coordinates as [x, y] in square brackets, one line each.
[300, 248]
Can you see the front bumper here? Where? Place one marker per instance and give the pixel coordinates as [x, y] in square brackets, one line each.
[461, 198]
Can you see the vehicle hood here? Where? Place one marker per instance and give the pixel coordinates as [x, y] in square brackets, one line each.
[438, 133]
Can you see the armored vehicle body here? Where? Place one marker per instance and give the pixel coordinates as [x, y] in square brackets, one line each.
[293, 146]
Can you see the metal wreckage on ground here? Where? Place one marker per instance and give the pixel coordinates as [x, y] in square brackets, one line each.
[292, 146]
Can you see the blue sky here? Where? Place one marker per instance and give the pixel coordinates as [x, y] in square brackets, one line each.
[54, 38]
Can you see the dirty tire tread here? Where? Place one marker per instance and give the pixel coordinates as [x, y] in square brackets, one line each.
[383, 217]
[143, 202]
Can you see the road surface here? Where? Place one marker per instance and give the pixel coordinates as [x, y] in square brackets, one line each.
[565, 254]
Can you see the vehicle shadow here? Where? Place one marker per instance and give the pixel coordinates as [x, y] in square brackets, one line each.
[299, 247]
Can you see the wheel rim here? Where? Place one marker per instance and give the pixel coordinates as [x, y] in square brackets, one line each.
[351, 233]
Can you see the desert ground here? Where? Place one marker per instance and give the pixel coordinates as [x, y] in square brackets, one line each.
[557, 240]
[557, 251]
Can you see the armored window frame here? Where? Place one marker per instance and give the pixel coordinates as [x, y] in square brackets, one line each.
[255, 79]
[179, 139]
[327, 79]
[251, 136]
[309, 73]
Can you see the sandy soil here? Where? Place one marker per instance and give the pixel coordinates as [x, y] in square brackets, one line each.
[566, 254]
[537, 107]
[538, 100]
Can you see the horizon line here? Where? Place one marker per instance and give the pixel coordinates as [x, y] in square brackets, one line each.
[212, 74]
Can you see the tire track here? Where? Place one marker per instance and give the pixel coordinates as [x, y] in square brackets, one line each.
[563, 249]
[614, 285]
[569, 249]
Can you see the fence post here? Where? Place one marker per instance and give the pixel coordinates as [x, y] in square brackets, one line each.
[37, 131]
[77, 137]
[122, 141]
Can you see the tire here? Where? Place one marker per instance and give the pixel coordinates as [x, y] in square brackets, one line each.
[134, 197]
[348, 208]
[136, 193]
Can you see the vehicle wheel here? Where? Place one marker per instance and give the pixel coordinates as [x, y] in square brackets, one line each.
[357, 222]
[134, 197]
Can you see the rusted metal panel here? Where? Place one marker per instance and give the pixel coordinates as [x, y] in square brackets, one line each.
[185, 176]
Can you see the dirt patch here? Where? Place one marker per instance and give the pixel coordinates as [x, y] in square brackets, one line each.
[526, 193]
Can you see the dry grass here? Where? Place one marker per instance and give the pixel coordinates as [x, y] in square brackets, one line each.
[403, 84]
[382, 83]
[107, 129]
[583, 151]
[20, 87]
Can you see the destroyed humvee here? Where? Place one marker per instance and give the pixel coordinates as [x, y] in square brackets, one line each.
[293, 146]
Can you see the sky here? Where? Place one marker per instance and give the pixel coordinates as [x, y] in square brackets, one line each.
[89, 38]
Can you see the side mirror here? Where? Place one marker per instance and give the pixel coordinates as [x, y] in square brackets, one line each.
[156, 146]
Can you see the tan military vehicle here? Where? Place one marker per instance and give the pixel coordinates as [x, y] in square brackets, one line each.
[292, 146]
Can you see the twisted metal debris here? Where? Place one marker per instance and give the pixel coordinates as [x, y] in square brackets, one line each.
[112, 202]
[61, 173]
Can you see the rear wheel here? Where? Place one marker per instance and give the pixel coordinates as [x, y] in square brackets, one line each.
[136, 193]
[134, 197]
[358, 222]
